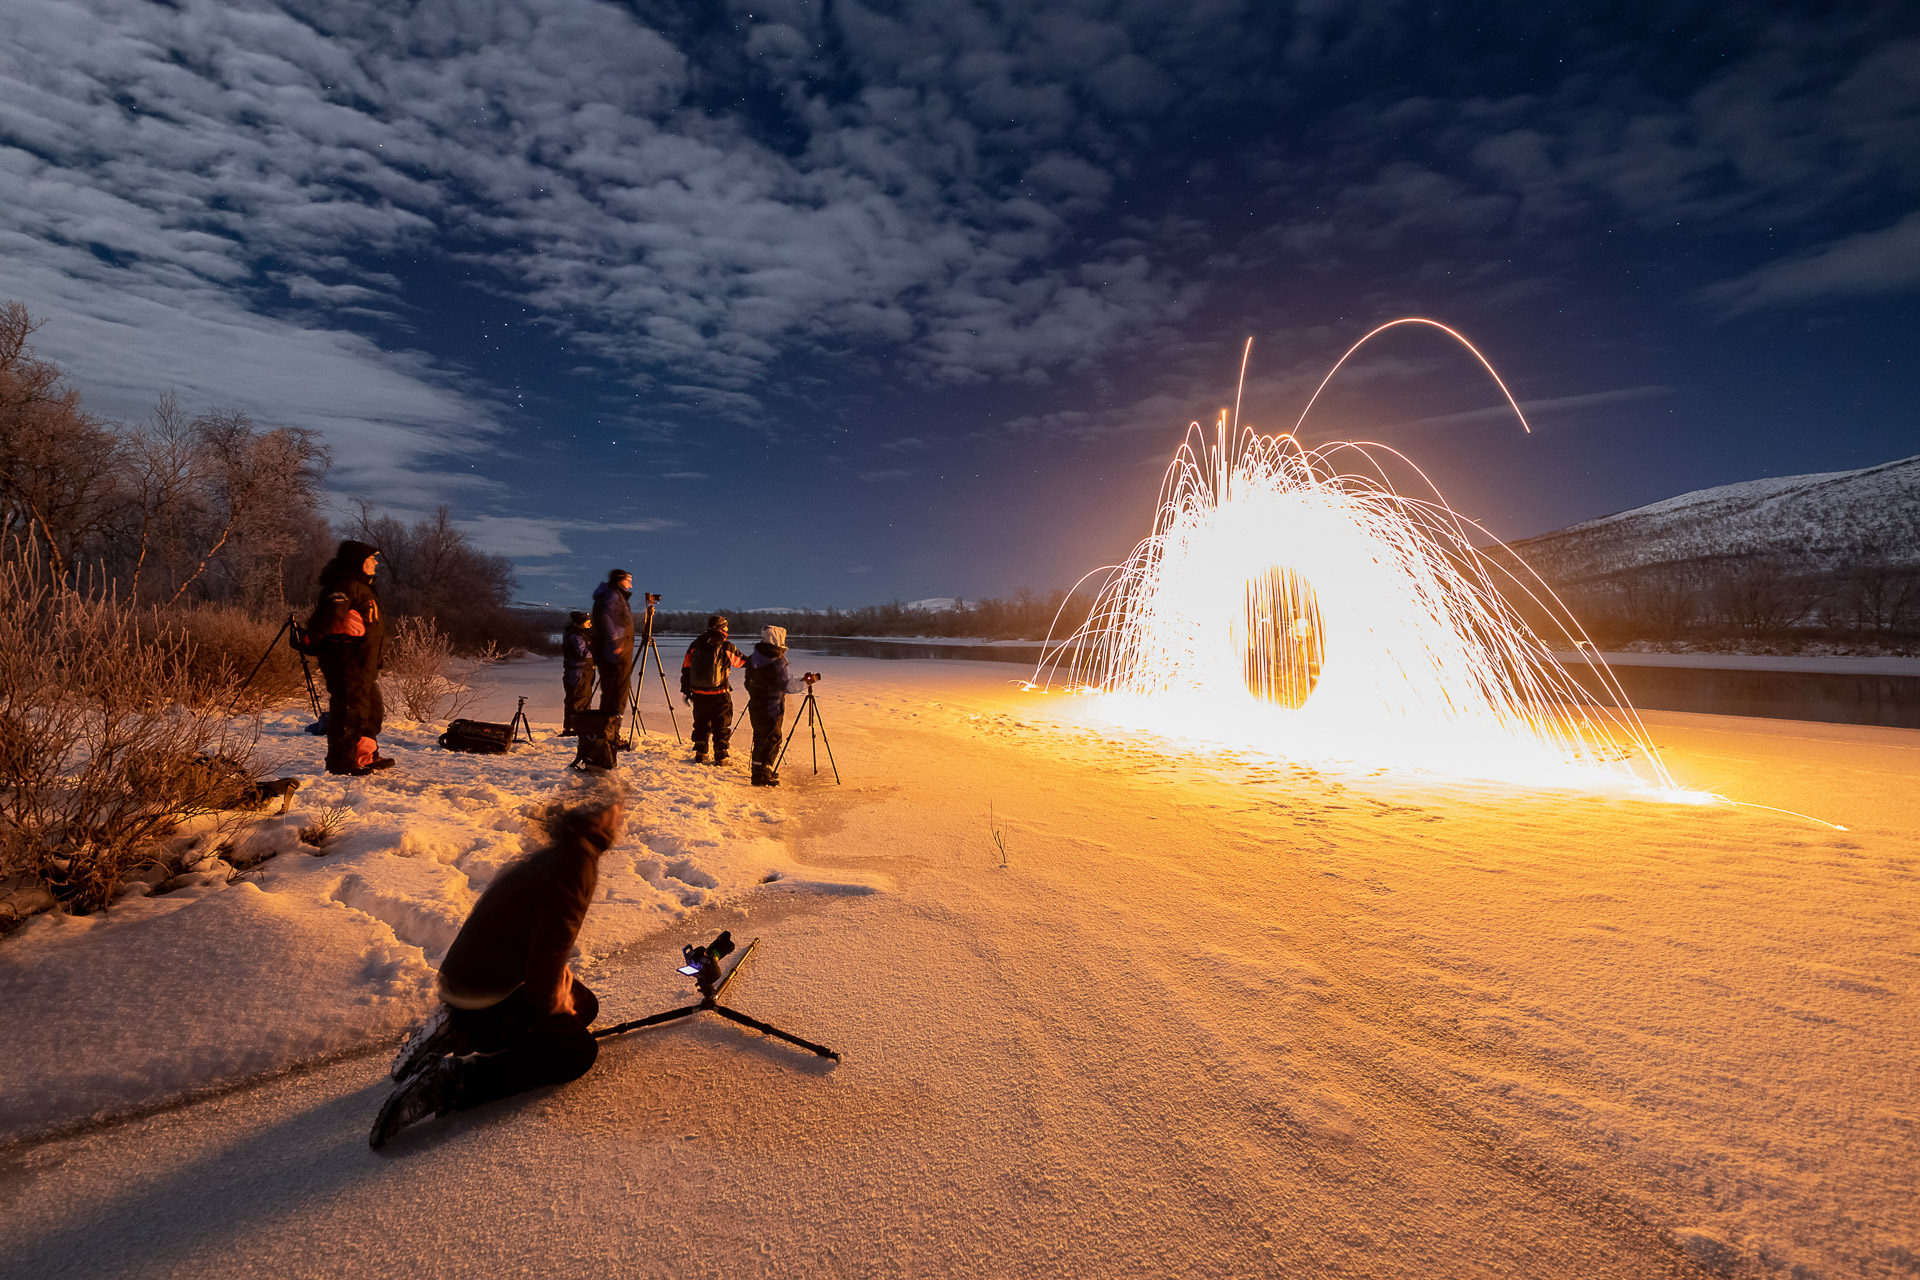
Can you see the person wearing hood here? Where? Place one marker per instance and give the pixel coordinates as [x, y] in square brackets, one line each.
[704, 683]
[349, 635]
[512, 1015]
[769, 680]
[576, 669]
[612, 635]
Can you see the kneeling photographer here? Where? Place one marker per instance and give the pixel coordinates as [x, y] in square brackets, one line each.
[512, 1016]
[769, 680]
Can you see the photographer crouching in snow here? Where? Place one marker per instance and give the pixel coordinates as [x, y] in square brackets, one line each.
[769, 681]
[512, 1015]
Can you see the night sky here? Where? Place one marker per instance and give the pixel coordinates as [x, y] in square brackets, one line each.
[791, 303]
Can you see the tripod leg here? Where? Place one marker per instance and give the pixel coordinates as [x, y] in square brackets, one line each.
[268, 653]
[654, 649]
[653, 1020]
[632, 702]
[313, 694]
[767, 1028]
[781, 758]
[830, 759]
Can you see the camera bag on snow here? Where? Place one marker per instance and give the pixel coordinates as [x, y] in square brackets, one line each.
[599, 739]
[477, 735]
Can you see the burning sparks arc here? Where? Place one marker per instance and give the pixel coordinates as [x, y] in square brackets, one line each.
[1284, 604]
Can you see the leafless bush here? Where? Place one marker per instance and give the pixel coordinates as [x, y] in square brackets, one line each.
[423, 672]
[1881, 598]
[1759, 597]
[321, 831]
[226, 643]
[107, 736]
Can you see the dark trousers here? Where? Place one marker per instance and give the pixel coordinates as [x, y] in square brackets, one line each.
[713, 717]
[355, 710]
[517, 1048]
[579, 691]
[613, 681]
[766, 719]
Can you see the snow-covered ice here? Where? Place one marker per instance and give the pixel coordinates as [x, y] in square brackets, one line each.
[1218, 1016]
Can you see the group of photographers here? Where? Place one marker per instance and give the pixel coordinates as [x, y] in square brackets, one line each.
[604, 643]
[347, 633]
[512, 1015]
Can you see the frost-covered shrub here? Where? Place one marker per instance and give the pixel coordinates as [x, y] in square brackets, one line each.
[422, 672]
[108, 736]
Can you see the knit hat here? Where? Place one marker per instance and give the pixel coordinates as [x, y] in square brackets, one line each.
[716, 621]
[576, 617]
[775, 636]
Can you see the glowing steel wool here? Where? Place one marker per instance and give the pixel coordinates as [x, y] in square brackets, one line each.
[1286, 604]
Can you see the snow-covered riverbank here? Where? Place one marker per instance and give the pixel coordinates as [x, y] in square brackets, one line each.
[1215, 1017]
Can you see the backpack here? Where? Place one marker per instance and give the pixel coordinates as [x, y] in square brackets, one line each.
[708, 668]
[478, 735]
[599, 740]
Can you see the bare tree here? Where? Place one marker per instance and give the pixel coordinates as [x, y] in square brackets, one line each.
[59, 467]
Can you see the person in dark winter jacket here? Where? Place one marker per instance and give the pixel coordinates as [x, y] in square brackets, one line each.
[348, 634]
[704, 683]
[576, 668]
[769, 680]
[612, 635]
[513, 1017]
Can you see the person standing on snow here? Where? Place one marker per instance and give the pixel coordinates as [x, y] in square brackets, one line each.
[704, 684]
[512, 1016]
[349, 636]
[769, 680]
[612, 636]
[576, 669]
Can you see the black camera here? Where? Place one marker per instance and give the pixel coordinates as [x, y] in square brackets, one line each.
[653, 597]
[811, 676]
[699, 958]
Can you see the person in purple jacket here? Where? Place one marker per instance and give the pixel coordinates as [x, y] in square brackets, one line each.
[769, 681]
[576, 669]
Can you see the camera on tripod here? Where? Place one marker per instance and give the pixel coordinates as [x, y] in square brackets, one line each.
[811, 676]
[653, 597]
[703, 963]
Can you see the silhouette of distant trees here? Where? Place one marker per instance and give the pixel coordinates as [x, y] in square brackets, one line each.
[207, 510]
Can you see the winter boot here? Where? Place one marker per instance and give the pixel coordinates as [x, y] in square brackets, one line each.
[699, 755]
[437, 1037]
[719, 758]
[773, 777]
[430, 1091]
[760, 773]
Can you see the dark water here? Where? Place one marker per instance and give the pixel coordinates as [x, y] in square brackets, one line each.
[1893, 701]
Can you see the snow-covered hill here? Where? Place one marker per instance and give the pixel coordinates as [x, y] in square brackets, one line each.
[1819, 523]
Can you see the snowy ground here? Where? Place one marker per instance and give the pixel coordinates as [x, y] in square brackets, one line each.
[1215, 1017]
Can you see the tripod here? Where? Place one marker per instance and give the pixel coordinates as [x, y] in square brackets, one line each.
[703, 966]
[816, 733]
[519, 725]
[647, 646]
[313, 694]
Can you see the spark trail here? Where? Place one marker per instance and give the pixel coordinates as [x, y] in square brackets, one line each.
[1291, 600]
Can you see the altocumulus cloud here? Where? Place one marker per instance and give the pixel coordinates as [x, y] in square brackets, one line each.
[227, 158]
